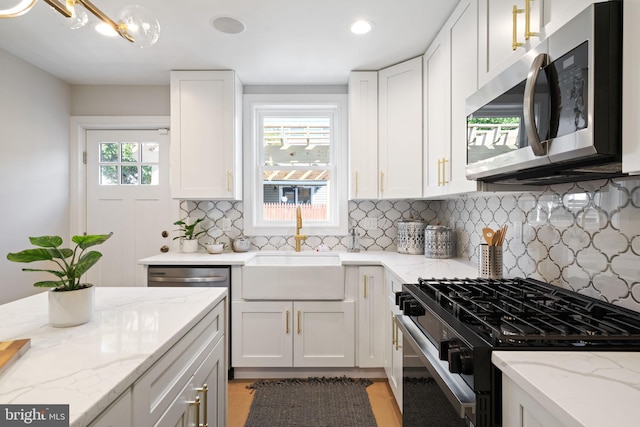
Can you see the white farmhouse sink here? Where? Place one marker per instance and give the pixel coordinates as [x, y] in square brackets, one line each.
[293, 276]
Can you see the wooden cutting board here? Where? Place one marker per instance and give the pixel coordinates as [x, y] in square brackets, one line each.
[12, 350]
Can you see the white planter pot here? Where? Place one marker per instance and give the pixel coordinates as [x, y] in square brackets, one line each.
[190, 246]
[71, 308]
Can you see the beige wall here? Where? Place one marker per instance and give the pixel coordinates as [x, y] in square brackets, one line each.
[34, 166]
[120, 100]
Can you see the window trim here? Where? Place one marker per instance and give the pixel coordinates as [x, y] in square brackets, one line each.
[253, 106]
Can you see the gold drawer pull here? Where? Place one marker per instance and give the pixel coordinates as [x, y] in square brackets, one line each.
[287, 323]
[527, 20]
[205, 391]
[299, 326]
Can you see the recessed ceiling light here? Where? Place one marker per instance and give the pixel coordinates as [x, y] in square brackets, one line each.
[361, 26]
[228, 25]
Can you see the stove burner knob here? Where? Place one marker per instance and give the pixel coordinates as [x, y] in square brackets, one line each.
[460, 361]
[404, 301]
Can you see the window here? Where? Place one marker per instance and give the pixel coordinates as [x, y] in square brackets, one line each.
[129, 163]
[292, 152]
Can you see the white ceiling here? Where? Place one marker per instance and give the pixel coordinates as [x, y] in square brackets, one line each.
[285, 41]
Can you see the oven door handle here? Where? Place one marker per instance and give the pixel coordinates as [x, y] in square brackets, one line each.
[461, 396]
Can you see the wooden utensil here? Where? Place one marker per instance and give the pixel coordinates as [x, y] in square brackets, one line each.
[488, 234]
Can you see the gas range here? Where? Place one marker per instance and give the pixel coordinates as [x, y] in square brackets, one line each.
[461, 321]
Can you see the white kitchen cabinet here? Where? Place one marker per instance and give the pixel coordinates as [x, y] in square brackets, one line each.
[631, 90]
[450, 76]
[400, 130]
[162, 395]
[207, 387]
[363, 135]
[496, 47]
[519, 409]
[393, 342]
[206, 139]
[293, 334]
[371, 324]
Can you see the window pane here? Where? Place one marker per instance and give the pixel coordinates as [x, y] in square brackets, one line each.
[150, 175]
[296, 141]
[150, 152]
[129, 175]
[283, 190]
[129, 152]
[108, 175]
[108, 152]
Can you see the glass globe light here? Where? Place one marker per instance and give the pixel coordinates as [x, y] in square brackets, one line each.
[138, 23]
[78, 19]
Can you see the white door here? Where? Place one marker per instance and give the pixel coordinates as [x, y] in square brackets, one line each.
[127, 194]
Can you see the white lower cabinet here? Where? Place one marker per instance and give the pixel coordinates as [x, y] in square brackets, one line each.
[293, 334]
[371, 303]
[393, 353]
[201, 401]
[519, 409]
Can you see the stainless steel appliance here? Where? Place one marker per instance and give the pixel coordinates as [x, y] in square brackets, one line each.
[195, 276]
[455, 324]
[555, 115]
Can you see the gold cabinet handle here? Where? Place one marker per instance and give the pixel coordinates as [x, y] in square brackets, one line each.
[439, 172]
[205, 391]
[527, 20]
[196, 404]
[444, 171]
[365, 286]
[394, 339]
[398, 346]
[299, 327]
[357, 182]
[229, 181]
[287, 323]
[515, 12]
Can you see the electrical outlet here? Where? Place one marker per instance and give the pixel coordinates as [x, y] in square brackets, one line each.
[517, 231]
[370, 223]
[226, 224]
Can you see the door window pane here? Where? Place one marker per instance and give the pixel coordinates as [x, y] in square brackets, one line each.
[129, 163]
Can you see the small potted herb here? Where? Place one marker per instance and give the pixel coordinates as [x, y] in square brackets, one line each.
[189, 235]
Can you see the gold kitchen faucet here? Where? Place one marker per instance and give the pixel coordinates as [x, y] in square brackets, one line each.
[299, 237]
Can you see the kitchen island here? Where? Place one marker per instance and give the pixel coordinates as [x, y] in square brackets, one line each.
[137, 336]
[569, 389]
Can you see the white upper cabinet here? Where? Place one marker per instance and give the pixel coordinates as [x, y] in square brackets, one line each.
[206, 139]
[502, 28]
[363, 135]
[450, 76]
[400, 130]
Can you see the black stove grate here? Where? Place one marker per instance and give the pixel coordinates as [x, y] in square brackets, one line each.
[527, 311]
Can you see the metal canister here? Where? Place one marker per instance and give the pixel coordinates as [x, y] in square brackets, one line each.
[438, 242]
[411, 236]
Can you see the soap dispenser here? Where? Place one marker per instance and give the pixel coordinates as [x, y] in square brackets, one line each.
[354, 241]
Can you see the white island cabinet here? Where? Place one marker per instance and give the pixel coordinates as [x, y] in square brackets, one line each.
[144, 357]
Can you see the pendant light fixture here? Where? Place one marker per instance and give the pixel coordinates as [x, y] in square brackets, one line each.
[135, 23]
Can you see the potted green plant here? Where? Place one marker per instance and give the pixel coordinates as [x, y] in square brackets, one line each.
[189, 235]
[71, 302]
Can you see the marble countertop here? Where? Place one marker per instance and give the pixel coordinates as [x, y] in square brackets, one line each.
[587, 389]
[406, 267]
[90, 365]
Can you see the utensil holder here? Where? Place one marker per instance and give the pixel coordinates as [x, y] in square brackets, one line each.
[490, 262]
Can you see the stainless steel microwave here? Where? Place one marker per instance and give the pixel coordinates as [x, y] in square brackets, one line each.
[555, 115]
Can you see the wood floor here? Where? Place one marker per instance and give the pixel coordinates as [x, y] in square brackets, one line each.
[382, 402]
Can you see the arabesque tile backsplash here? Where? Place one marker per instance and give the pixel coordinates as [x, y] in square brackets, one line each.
[583, 236]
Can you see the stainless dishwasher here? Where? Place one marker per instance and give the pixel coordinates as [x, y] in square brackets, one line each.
[195, 276]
